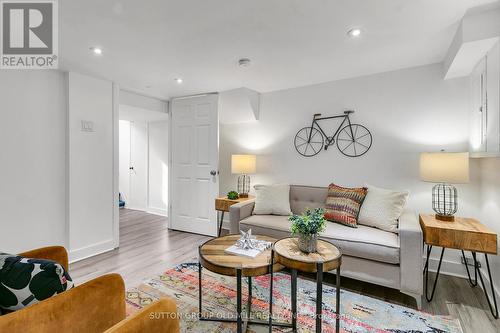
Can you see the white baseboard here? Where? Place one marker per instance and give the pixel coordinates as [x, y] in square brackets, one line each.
[136, 208]
[91, 250]
[156, 211]
[452, 268]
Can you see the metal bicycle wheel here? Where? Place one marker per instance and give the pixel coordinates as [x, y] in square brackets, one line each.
[309, 141]
[355, 143]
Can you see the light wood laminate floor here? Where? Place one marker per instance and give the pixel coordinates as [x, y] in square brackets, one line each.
[147, 248]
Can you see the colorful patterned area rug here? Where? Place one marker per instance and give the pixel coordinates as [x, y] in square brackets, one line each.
[358, 313]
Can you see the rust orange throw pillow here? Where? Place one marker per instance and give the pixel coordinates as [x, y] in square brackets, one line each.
[343, 204]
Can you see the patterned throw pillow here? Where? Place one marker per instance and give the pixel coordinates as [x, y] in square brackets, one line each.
[25, 281]
[343, 204]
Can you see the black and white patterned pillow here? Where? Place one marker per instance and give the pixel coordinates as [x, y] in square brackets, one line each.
[25, 281]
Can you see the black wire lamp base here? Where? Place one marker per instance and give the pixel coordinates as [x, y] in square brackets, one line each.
[444, 201]
[243, 186]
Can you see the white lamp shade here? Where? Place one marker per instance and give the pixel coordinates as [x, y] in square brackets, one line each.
[243, 164]
[450, 168]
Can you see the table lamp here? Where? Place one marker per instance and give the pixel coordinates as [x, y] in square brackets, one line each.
[243, 165]
[445, 169]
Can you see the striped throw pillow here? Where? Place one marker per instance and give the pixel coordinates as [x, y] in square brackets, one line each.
[343, 204]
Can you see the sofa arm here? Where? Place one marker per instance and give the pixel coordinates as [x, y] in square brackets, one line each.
[159, 317]
[92, 307]
[56, 253]
[411, 253]
[238, 212]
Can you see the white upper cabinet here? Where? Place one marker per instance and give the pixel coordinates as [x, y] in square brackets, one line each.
[475, 53]
[485, 105]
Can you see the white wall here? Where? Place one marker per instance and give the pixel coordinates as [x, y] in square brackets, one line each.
[32, 159]
[158, 167]
[490, 208]
[408, 111]
[91, 166]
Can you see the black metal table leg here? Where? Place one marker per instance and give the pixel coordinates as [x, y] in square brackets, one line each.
[199, 290]
[319, 295]
[271, 292]
[337, 308]
[220, 223]
[249, 304]
[472, 283]
[239, 321]
[493, 307]
[494, 312]
[249, 293]
[429, 249]
[294, 299]
[427, 273]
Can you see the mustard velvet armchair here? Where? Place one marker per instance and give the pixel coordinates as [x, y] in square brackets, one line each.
[94, 307]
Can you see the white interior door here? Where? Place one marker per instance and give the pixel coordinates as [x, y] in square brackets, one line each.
[138, 197]
[124, 160]
[195, 152]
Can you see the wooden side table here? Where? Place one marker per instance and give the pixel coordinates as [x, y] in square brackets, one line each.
[212, 256]
[328, 257]
[464, 234]
[222, 205]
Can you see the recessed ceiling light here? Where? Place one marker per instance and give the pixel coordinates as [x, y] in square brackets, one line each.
[96, 50]
[244, 62]
[354, 32]
[178, 80]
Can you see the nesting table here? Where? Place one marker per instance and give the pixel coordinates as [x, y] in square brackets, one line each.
[212, 256]
[328, 257]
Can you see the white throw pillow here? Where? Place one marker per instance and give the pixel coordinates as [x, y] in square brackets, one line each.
[382, 208]
[272, 199]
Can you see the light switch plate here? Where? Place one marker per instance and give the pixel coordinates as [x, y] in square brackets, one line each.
[87, 126]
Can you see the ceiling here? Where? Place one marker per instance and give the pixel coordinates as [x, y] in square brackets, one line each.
[148, 43]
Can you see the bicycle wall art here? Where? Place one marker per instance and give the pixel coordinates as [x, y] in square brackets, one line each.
[353, 140]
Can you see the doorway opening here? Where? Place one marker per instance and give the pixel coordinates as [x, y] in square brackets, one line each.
[143, 159]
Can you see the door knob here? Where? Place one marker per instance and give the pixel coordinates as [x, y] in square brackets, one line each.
[213, 172]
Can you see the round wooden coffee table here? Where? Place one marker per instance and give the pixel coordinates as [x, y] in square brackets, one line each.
[213, 257]
[328, 257]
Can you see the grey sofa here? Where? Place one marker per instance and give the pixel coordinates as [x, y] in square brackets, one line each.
[369, 254]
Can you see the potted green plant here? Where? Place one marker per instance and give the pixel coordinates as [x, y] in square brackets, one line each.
[306, 228]
[232, 195]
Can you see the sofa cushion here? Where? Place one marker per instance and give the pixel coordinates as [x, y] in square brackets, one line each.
[382, 208]
[363, 242]
[343, 204]
[272, 199]
[25, 281]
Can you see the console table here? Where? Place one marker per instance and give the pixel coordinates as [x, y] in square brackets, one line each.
[463, 234]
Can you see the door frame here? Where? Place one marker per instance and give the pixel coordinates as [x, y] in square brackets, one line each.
[170, 152]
